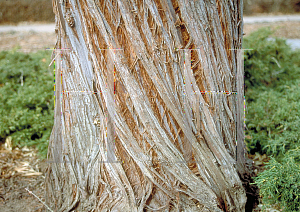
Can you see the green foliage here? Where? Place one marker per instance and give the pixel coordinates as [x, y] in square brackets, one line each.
[274, 126]
[271, 62]
[272, 94]
[272, 73]
[280, 183]
[26, 111]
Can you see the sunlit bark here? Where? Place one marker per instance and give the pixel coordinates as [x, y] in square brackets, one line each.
[150, 111]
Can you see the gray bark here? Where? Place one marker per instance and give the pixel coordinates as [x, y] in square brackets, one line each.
[142, 128]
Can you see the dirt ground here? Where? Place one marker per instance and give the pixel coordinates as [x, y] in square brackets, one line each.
[288, 30]
[12, 12]
[26, 41]
[21, 177]
[33, 41]
[21, 169]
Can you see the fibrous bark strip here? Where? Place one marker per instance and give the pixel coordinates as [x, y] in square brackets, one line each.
[147, 78]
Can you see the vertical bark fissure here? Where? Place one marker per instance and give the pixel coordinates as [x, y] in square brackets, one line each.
[174, 143]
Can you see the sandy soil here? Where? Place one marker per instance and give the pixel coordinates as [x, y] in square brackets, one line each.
[33, 41]
[26, 41]
[21, 177]
[288, 30]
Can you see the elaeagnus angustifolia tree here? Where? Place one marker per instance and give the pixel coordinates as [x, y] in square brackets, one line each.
[148, 107]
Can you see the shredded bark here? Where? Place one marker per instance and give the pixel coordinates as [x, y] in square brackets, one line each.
[154, 82]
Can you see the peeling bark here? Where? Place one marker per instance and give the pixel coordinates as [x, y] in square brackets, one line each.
[138, 126]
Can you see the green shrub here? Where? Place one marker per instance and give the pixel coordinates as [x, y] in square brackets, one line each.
[272, 94]
[274, 126]
[270, 64]
[26, 98]
[273, 120]
[280, 183]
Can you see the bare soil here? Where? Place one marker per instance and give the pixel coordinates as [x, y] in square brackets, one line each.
[26, 41]
[288, 30]
[21, 177]
[33, 41]
[12, 12]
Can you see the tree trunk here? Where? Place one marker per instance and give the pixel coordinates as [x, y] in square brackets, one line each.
[148, 106]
